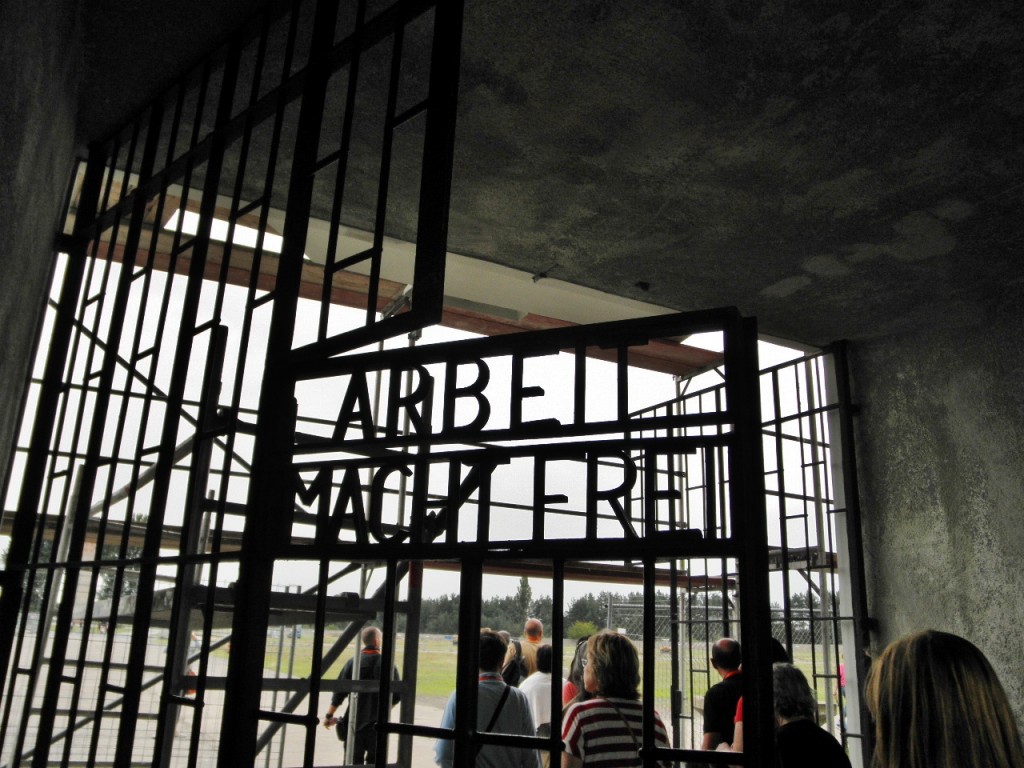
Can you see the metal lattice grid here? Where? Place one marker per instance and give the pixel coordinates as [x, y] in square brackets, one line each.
[128, 508]
[184, 460]
[816, 580]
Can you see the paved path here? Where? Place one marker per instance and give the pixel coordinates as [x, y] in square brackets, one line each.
[329, 749]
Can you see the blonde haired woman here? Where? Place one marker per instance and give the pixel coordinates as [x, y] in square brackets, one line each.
[608, 728]
[937, 703]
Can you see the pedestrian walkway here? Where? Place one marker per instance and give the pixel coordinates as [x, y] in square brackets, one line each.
[329, 751]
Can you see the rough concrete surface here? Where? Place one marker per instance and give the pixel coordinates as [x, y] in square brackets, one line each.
[941, 454]
[39, 59]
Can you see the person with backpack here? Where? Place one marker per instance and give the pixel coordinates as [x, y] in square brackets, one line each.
[513, 669]
[500, 709]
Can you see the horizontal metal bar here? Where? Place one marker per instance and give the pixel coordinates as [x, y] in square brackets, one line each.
[183, 246]
[186, 701]
[284, 717]
[668, 545]
[410, 113]
[245, 210]
[328, 160]
[409, 729]
[204, 327]
[314, 361]
[372, 453]
[264, 299]
[357, 258]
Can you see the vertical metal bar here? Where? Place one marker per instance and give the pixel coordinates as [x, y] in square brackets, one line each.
[834, 663]
[175, 396]
[384, 179]
[650, 654]
[783, 475]
[516, 403]
[824, 545]
[579, 392]
[60, 554]
[111, 347]
[438, 159]
[243, 353]
[99, 419]
[290, 674]
[622, 383]
[411, 656]
[270, 501]
[191, 536]
[316, 672]
[23, 524]
[710, 501]
[746, 486]
[342, 171]
[387, 662]
[558, 653]
[675, 643]
[468, 661]
[847, 495]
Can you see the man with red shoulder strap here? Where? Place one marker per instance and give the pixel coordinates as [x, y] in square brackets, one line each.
[720, 700]
[501, 708]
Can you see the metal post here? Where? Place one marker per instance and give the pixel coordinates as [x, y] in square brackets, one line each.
[180, 631]
[853, 594]
[26, 517]
[468, 662]
[270, 501]
[749, 527]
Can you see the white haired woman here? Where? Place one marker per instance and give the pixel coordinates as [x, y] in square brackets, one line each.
[801, 743]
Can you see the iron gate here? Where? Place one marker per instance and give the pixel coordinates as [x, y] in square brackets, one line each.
[209, 418]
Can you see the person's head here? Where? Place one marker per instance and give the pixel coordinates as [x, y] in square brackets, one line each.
[794, 699]
[578, 657]
[505, 635]
[725, 655]
[937, 703]
[779, 653]
[492, 650]
[533, 629]
[612, 666]
[371, 637]
[544, 656]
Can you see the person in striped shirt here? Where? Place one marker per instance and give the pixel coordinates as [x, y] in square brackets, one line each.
[607, 730]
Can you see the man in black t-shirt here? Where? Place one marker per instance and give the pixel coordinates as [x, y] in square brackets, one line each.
[365, 741]
[720, 700]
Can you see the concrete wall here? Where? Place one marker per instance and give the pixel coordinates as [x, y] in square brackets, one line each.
[40, 63]
[941, 454]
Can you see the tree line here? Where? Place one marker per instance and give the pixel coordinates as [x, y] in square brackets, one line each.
[591, 612]
[584, 615]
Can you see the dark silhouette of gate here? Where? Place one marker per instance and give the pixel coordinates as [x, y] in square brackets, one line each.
[207, 417]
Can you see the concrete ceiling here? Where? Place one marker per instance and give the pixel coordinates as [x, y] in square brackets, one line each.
[836, 170]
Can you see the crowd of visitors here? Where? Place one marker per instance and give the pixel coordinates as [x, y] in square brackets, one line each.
[934, 699]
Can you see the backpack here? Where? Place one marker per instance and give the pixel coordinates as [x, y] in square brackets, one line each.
[514, 672]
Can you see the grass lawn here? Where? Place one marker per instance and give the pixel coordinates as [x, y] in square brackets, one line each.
[438, 657]
[436, 670]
